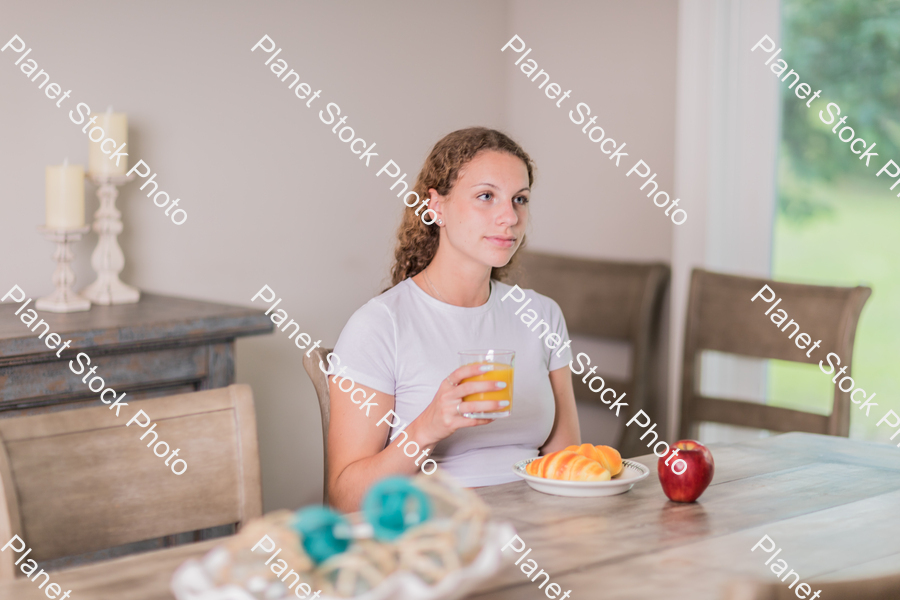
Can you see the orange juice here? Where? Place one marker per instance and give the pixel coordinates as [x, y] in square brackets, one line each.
[500, 372]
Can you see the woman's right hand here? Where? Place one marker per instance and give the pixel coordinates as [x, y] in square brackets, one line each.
[445, 413]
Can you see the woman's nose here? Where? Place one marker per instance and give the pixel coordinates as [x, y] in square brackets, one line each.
[507, 214]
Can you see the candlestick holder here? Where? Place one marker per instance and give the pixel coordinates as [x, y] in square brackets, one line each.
[108, 259]
[63, 299]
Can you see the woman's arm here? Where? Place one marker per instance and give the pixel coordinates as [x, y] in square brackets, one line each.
[357, 457]
[565, 430]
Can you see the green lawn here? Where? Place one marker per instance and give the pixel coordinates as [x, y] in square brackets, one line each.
[855, 242]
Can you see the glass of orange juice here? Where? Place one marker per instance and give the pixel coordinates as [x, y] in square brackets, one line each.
[503, 363]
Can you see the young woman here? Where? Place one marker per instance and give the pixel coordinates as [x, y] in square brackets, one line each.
[446, 297]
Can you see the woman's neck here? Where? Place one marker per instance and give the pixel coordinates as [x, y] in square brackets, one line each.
[456, 282]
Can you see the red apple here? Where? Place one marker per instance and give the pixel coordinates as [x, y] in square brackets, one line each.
[693, 473]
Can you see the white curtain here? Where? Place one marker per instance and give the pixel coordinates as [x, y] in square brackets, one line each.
[727, 132]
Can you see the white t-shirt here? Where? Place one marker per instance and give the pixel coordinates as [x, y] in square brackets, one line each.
[405, 342]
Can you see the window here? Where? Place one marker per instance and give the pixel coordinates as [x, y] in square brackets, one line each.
[835, 223]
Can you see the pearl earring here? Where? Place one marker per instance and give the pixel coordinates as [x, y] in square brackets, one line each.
[440, 222]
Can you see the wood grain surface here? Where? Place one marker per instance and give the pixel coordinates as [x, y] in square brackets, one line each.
[152, 322]
[159, 346]
[827, 314]
[614, 301]
[826, 501]
[81, 481]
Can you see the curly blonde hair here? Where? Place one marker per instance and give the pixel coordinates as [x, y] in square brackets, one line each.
[417, 243]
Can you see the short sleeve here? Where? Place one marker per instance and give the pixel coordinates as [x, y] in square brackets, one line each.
[367, 348]
[562, 354]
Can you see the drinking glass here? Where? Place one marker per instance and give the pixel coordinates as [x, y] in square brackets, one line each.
[503, 365]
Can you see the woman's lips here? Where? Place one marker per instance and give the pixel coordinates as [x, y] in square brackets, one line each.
[501, 241]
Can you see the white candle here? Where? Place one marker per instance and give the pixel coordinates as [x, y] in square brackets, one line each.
[65, 196]
[115, 127]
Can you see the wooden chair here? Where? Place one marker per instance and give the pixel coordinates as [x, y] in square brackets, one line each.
[613, 300]
[79, 481]
[721, 317]
[320, 382]
[880, 588]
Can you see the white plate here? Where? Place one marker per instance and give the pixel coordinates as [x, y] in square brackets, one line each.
[631, 473]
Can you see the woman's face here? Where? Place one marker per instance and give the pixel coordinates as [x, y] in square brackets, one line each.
[486, 212]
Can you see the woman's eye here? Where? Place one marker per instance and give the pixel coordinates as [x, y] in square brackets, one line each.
[521, 200]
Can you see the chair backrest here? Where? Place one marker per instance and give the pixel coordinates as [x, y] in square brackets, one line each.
[80, 480]
[320, 382]
[879, 588]
[613, 300]
[721, 317]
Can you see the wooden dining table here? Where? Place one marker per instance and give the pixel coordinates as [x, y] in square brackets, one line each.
[827, 502]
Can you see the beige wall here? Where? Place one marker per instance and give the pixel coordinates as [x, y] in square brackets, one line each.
[619, 59]
[274, 198]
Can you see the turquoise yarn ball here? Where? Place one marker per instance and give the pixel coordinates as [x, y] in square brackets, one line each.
[316, 525]
[393, 505]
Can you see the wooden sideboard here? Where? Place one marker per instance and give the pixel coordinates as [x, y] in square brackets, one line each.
[159, 346]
